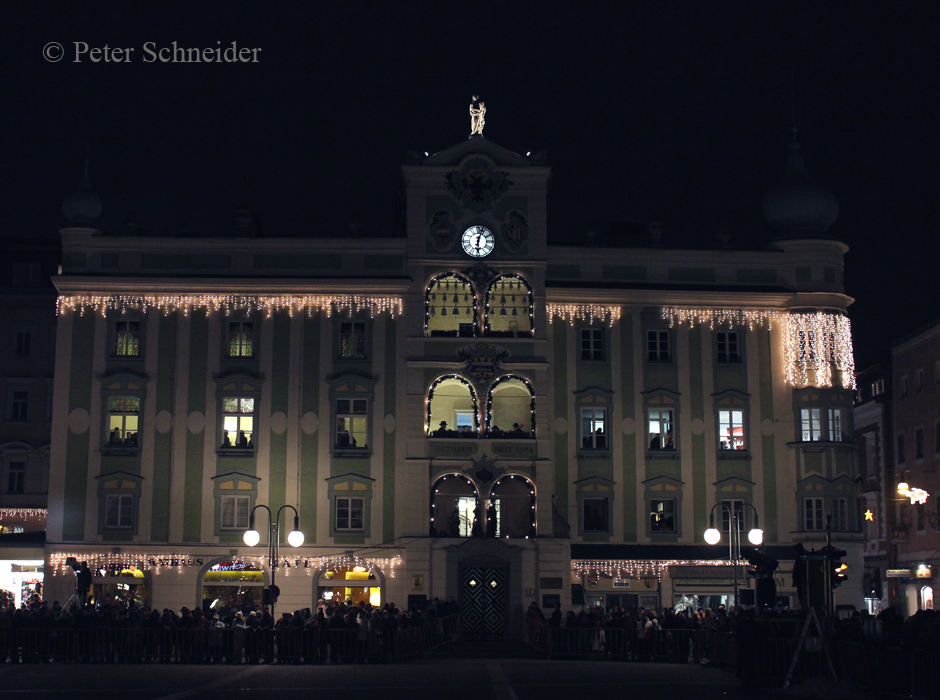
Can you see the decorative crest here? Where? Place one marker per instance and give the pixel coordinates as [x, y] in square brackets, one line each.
[482, 361]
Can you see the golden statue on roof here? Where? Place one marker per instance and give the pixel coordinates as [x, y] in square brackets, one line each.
[477, 116]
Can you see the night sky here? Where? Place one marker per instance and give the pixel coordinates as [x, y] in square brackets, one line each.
[672, 111]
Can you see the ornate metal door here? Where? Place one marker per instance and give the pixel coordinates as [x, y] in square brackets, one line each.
[483, 609]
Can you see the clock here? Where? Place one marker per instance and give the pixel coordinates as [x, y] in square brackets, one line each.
[478, 241]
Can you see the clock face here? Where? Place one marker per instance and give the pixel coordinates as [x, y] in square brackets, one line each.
[478, 241]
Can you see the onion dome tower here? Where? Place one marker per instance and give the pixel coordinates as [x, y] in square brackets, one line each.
[798, 207]
[82, 206]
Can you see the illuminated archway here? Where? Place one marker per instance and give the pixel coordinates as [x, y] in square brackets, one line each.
[510, 408]
[453, 408]
[454, 507]
[450, 306]
[510, 508]
[509, 307]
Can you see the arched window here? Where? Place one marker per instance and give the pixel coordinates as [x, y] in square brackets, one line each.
[453, 410]
[926, 598]
[232, 586]
[509, 307]
[454, 507]
[450, 306]
[510, 509]
[510, 408]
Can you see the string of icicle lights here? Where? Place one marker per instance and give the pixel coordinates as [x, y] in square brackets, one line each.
[727, 317]
[818, 342]
[637, 568]
[583, 312]
[160, 562]
[226, 303]
[20, 513]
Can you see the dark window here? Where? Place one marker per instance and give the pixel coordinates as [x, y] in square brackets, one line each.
[22, 342]
[350, 513]
[902, 457]
[663, 515]
[127, 338]
[19, 406]
[592, 344]
[921, 517]
[657, 346]
[119, 512]
[840, 514]
[235, 512]
[16, 477]
[352, 337]
[728, 347]
[594, 428]
[813, 514]
[241, 339]
[595, 515]
[733, 506]
[919, 443]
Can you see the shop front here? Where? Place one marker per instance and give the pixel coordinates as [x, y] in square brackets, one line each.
[124, 586]
[21, 579]
[351, 583]
[232, 586]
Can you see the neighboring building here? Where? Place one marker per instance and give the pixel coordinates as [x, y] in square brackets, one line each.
[915, 401]
[27, 362]
[586, 407]
[873, 436]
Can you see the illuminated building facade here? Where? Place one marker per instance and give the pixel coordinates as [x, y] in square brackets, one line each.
[463, 410]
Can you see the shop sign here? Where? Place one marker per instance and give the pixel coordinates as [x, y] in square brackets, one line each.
[684, 572]
[550, 583]
[898, 573]
[621, 583]
[698, 582]
[924, 572]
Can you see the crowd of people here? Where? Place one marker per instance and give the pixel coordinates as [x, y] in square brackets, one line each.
[340, 632]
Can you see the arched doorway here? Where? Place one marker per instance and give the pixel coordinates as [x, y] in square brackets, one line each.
[454, 507]
[232, 586]
[350, 582]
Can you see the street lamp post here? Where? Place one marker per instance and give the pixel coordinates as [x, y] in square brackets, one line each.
[713, 536]
[294, 539]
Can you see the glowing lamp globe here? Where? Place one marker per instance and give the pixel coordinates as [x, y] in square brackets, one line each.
[712, 536]
[251, 537]
[295, 538]
[755, 536]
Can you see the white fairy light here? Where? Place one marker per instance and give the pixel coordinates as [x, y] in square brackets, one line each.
[583, 312]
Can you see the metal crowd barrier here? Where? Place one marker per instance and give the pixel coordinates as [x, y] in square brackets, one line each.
[231, 646]
[910, 673]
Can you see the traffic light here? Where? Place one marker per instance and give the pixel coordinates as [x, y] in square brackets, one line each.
[839, 571]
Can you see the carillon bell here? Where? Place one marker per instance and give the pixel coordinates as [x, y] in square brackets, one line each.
[515, 311]
[502, 299]
[443, 311]
[456, 310]
[466, 297]
[444, 298]
[432, 310]
[468, 311]
[513, 298]
[502, 311]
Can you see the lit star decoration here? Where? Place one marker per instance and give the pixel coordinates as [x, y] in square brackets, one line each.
[869, 515]
[162, 562]
[22, 513]
[226, 303]
[639, 568]
[583, 312]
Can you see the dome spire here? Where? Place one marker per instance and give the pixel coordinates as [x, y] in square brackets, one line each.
[82, 206]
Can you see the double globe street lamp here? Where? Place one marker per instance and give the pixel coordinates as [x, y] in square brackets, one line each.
[252, 537]
[713, 536]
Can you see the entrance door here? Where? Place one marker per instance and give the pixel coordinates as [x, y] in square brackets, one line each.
[483, 610]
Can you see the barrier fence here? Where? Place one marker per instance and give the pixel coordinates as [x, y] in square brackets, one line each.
[231, 646]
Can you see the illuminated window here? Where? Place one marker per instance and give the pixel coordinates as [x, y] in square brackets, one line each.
[508, 307]
[727, 347]
[662, 515]
[351, 423]
[657, 346]
[241, 339]
[123, 420]
[731, 430]
[352, 343]
[235, 512]
[119, 512]
[811, 426]
[813, 509]
[349, 513]
[453, 408]
[594, 429]
[877, 387]
[238, 423]
[450, 306]
[661, 429]
[592, 343]
[127, 338]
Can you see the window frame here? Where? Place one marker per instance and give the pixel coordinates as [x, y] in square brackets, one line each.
[656, 340]
[731, 426]
[352, 415]
[816, 505]
[251, 444]
[352, 387]
[836, 418]
[605, 514]
[653, 512]
[123, 443]
[227, 339]
[349, 508]
[671, 422]
[121, 498]
[22, 342]
[345, 487]
[116, 342]
[840, 514]
[364, 337]
[234, 499]
[19, 471]
[593, 341]
[19, 405]
[727, 356]
[806, 418]
[900, 449]
[588, 443]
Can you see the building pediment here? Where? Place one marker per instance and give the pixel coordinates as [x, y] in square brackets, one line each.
[476, 146]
